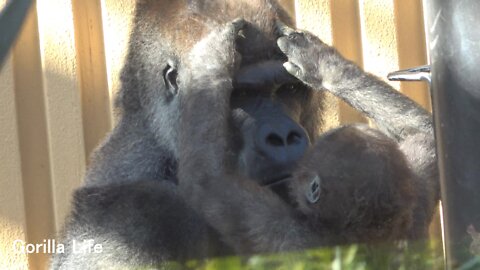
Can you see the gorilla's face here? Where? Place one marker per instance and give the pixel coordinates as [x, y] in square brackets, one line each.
[269, 131]
[274, 116]
[273, 120]
[272, 124]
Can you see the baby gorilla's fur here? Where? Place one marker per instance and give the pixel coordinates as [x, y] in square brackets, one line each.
[368, 199]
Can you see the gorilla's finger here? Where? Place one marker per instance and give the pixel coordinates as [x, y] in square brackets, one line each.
[239, 24]
[293, 69]
[292, 43]
[282, 29]
[263, 74]
[284, 45]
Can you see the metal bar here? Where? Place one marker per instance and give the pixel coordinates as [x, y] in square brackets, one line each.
[11, 20]
[421, 73]
[454, 45]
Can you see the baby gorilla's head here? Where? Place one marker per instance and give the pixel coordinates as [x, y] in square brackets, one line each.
[356, 183]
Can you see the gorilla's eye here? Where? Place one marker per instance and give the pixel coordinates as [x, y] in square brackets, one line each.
[313, 191]
[170, 78]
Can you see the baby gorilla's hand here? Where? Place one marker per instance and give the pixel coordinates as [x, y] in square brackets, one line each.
[309, 59]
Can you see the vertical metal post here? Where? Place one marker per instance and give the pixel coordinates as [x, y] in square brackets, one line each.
[11, 20]
[453, 30]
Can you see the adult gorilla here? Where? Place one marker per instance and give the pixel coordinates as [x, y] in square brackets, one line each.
[186, 50]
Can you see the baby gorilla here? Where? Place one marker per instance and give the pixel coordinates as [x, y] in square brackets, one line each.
[363, 200]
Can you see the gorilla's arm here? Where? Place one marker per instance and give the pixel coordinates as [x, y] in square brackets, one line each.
[139, 224]
[322, 67]
[205, 89]
[146, 222]
[249, 218]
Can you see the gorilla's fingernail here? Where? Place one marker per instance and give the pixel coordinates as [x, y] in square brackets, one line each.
[293, 69]
[282, 44]
[241, 34]
[239, 23]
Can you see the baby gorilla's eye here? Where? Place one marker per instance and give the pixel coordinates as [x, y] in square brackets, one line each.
[313, 192]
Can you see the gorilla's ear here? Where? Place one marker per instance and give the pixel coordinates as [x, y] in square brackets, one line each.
[170, 75]
[313, 191]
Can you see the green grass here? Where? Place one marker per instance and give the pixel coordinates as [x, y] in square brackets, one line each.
[401, 256]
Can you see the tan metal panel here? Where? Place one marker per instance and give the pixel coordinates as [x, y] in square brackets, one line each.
[347, 40]
[315, 16]
[117, 18]
[33, 139]
[62, 98]
[12, 207]
[412, 46]
[378, 38]
[93, 75]
[12, 215]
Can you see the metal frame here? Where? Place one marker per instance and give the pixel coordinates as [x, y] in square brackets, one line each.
[454, 48]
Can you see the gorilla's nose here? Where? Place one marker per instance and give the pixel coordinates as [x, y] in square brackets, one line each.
[282, 141]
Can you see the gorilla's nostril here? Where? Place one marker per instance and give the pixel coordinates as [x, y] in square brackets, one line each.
[275, 140]
[294, 138]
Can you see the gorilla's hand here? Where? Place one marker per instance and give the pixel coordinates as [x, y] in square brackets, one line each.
[207, 86]
[263, 75]
[215, 57]
[309, 59]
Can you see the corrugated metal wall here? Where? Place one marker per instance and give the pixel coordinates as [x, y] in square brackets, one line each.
[57, 85]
